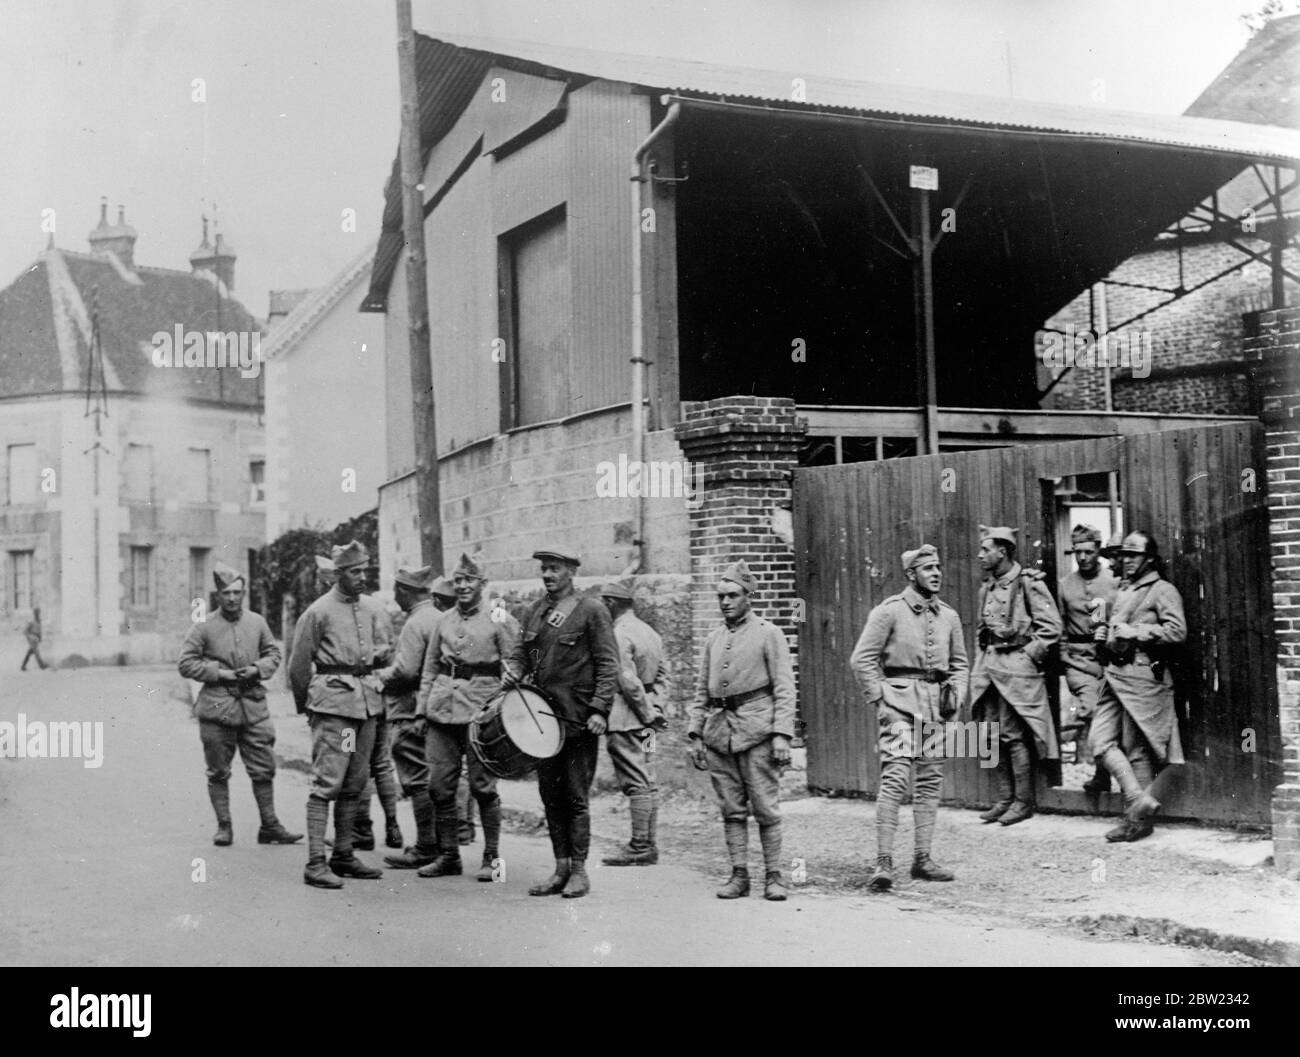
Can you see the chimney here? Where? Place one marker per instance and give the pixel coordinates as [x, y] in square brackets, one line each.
[218, 259]
[118, 238]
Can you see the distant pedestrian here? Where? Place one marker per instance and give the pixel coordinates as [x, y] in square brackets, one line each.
[911, 663]
[232, 654]
[742, 722]
[33, 634]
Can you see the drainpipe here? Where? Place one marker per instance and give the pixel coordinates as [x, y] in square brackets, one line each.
[640, 181]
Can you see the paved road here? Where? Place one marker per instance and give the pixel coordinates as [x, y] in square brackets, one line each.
[100, 868]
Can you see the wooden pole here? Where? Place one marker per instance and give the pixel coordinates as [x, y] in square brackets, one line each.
[417, 298]
[925, 343]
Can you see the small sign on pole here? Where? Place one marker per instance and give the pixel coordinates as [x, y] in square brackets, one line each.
[923, 177]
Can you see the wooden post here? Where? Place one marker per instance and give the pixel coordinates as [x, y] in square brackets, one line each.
[925, 336]
[417, 297]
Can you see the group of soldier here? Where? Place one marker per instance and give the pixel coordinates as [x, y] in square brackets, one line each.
[400, 712]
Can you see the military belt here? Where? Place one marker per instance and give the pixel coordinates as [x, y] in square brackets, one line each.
[460, 670]
[346, 669]
[1075, 637]
[736, 700]
[926, 675]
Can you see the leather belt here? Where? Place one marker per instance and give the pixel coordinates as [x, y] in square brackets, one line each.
[926, 675]
[346, 669]
[1075, 637]
[460, 670]
[736, 700]
[650, 688]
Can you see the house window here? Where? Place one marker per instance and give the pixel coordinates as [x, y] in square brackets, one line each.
[199, 572]
[534, 261]
[141, 576]
[257, 483]
[197, 484]
[22, 473]
[137, 472]
[20, 578]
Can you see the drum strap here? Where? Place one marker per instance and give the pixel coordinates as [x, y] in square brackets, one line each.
[553, 616]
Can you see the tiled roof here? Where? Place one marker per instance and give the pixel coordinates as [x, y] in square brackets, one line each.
[45, 328]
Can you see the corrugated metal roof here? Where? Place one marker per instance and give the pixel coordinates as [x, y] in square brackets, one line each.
[901, 101]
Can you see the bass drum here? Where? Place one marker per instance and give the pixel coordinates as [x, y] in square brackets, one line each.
[516, 730]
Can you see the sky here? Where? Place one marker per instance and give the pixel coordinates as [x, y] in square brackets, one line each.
[280, 116]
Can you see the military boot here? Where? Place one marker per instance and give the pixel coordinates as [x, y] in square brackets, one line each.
[1022, 765]
[412, 858]
[882, 878]
[774, 886]
[447, 863]
[926, 869]
[318, 875]
[486, 868]
[554, 884]
[219, 794]
[343, 862]
[631, 855]
[271, 831]
[1005, 792]
[578, 884]
[393, 834]
[737, 885]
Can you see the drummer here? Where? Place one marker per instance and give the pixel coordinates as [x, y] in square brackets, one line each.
[462, 672]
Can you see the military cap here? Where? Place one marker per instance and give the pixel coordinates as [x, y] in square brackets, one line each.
[613, 589]
[1148, 547]
[924, 553]
[738, 573]
[224, 576]
[1113, 545]
[354, 553]
[998, 533]
[417, 578]
[1085, 534]
[324, 565]
[443, 589]
[467, 566]
[572, 559]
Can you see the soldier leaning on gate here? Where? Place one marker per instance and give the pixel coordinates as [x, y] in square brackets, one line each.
[1018, 626]
[401, 681]
[1135, 732]
[911, 664]
[1087, 595]
[742, 721]
[340, 640]
[632, 722]
[232, 653]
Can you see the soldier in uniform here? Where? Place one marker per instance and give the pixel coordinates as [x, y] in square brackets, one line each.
[632, 723]
[911, 664]
[340, 640]
[232, 653]
[1018, 626]
[742, 721]
[1087, 595]
[567, 646]
[469, 652]
[1135, 732]
[401, 681]
[33, 635]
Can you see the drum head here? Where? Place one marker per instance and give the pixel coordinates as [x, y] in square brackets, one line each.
[529, 719]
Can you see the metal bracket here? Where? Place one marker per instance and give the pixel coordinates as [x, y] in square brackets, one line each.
[653, 166]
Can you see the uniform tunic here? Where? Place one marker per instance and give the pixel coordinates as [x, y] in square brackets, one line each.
[223, 643]
[1016, 674]
[473, 637]
[1079, 594]
[338, 630]
[1154, 607]
[641, 664]
[401, 689]
[909, 631]
[749, 655]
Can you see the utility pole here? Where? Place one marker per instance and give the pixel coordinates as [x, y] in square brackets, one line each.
[417, 299]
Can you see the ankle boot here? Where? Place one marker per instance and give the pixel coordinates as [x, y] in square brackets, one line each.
[219, 794]
[447, 863]
[1022, 766]
[318, 875]
[774, 886]
[554, 884]
[486, 868]
[1002, 776]
[343, 862]
[926, 869]
[737, 885]
[271, 831]
[578, 884]
[882, 878]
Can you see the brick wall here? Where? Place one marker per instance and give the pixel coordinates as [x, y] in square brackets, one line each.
[747, 447]
[1273, 338]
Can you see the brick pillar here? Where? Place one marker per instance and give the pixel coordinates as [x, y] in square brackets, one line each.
[1273, 341]
[742, 450]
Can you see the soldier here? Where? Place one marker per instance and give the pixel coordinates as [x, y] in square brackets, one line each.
[1135, 732]
[1018, 626]
[232, 653]
[911, 663]
[632, 723]
[33, 635]
[340, 640]
[444, 597]
[469, 652]
[1087, 595]
[742, 720]
[567, 646]
[401, 681]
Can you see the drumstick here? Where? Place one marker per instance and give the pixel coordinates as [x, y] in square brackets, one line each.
[563, 719]
[531, 714]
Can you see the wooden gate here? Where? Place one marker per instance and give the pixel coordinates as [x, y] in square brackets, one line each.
[1202, 494]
